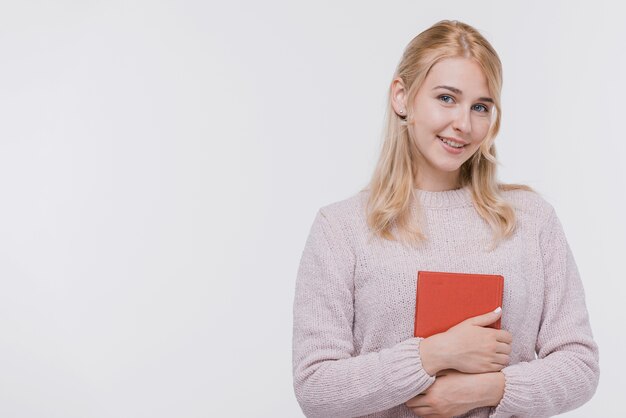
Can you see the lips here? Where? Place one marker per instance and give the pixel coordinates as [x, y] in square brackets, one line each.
[451, 145]
[456, 140]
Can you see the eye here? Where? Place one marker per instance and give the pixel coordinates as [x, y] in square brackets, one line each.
[446, 99]
[481, 108]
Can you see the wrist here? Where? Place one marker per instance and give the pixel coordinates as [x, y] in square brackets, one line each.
[430, 354]
[493, 388]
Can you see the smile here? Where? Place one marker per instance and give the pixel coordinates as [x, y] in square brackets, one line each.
[451, 143]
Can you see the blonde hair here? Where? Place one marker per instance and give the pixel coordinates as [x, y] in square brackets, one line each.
[393, 182]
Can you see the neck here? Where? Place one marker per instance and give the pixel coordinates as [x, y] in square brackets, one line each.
[439, 183]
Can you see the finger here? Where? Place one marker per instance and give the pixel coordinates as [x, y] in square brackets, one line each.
[417, 401]
[502, 359]
[422, 411]
[503, 348]
[504, 336]
[447, 372]
[487, 318]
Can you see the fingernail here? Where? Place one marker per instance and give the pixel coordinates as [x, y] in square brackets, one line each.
[498, 309]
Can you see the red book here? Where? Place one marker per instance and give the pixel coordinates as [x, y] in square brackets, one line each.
[445, 299]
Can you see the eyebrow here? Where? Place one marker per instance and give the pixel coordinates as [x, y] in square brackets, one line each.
[459, 92]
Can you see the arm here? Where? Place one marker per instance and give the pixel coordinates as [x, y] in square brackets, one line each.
[455, 393]
[566, 372]
[329, 378]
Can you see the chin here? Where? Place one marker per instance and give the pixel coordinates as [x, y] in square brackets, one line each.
[450, 168]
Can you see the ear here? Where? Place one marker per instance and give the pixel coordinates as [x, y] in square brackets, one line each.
[398, 97]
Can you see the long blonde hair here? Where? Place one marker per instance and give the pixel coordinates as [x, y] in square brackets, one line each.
[393, 182]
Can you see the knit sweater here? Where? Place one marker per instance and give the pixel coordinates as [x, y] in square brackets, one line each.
[354, 353]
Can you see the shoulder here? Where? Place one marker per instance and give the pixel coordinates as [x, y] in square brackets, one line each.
[344, 220]
[338, 225]
[346, 210]
[529, 204]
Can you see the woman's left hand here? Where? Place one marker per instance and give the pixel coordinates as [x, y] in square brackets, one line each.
[453, 393]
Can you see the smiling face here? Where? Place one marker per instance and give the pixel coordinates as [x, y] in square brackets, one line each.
[451, 117]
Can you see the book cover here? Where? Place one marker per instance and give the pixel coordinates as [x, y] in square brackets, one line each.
[445, 299]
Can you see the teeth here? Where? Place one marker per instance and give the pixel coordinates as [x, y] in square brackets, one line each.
[451, 143]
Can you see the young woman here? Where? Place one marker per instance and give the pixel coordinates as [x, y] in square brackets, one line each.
[434, 203]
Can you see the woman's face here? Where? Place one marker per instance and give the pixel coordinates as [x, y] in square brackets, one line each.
[453, 105]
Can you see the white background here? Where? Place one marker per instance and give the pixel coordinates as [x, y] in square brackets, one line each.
[161, 164]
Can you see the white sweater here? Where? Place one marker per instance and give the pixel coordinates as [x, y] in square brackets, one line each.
[354, 353]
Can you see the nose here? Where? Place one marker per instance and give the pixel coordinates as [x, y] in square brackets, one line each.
[462, 122]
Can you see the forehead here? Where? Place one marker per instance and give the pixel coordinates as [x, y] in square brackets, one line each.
[464, 74]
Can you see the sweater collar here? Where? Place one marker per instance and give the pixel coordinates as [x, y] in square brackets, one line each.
[445, 199]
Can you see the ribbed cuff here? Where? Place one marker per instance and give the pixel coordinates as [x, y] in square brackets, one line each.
[406, 372]
[517, 392]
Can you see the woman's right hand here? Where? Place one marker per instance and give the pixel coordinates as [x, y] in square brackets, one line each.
[469, 347]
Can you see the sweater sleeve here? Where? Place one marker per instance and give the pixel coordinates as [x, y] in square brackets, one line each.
[330, 379]
[565, 374]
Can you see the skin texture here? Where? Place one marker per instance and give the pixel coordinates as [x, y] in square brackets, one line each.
[461, 114]
[468, 347]
[454, 393]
